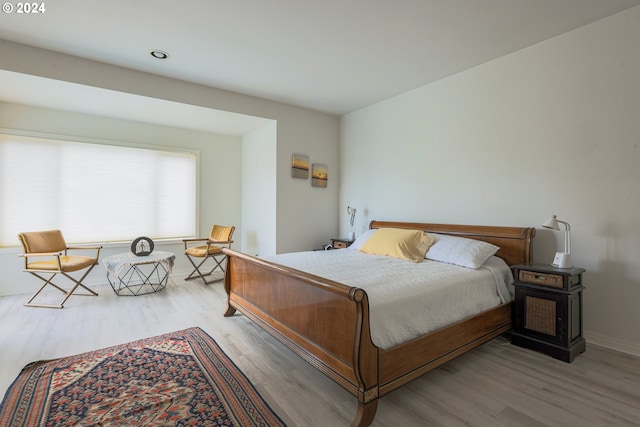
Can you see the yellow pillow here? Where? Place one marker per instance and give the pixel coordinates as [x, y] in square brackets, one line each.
[410, 245]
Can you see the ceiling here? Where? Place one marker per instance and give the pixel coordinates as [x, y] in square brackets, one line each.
[333, 56]
[55, 94]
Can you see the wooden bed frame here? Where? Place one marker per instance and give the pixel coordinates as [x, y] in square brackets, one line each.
[327, 323]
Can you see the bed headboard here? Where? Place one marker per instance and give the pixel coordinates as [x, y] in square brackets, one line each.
[515, 242]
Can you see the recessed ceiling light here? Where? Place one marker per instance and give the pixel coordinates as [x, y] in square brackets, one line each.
[159, 54]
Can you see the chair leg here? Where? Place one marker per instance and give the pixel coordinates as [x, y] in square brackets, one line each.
[219, 263]
[197, 274]
[78, 283]
[46, 282]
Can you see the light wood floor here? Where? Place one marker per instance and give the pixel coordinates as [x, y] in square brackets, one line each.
[495, 385]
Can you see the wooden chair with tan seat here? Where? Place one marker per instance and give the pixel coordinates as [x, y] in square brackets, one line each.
[219, 237]
[46, 254]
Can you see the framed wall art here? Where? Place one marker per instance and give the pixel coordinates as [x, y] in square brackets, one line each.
[300, 166]
[319, 175]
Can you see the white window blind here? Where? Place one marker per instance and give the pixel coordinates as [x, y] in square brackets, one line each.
[94, 192]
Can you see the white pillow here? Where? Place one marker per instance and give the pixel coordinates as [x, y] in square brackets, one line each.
[362, 238]
[460, 251]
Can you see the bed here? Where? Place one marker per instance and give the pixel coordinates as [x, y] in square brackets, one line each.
[328, 323]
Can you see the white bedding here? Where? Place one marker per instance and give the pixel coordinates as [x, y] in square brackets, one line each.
[407, 299]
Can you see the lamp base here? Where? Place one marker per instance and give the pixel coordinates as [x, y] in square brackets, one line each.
[562, 260]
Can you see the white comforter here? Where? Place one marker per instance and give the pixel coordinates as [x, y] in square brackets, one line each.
[406, 299]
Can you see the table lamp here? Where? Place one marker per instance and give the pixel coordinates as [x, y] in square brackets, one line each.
[352, 216]
[562, 259]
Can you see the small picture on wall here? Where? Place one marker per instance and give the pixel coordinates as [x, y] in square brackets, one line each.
[319, 175]
[300, 166]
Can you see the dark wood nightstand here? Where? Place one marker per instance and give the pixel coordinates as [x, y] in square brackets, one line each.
[341, 243]
[547, 314]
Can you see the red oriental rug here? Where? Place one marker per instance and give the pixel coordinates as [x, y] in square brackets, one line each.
[177, 379]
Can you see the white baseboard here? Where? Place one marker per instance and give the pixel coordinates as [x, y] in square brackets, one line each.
[612, 343]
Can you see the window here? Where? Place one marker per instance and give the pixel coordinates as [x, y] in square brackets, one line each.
[95, 192]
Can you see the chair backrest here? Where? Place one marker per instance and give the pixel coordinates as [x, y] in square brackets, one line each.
[221, 233]
[42, 241]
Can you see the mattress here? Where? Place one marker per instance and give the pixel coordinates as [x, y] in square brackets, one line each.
[406, 299]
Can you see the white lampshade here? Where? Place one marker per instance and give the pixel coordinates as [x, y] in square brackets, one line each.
[552, 223]
[562, 259]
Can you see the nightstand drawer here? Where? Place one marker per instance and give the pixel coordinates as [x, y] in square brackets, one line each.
[544, 279]
[548, 276]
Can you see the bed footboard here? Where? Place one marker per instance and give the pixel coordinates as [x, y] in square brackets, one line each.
[325, 322]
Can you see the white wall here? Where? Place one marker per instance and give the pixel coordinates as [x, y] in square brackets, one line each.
[551, 129]
[307, 215]
[259, 191]
[220, 187]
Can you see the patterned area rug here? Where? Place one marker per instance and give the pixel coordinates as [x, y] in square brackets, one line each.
[178, 379]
